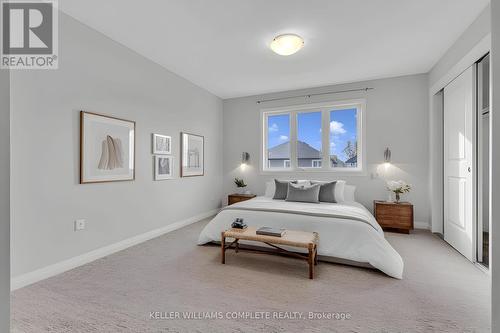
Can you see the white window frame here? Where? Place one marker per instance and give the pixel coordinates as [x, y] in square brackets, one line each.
[325, 108]
[285, 162]
[316, 167]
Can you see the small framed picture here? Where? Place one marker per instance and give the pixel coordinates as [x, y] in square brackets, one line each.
[164, 167]
[162, 144]
[192, 155]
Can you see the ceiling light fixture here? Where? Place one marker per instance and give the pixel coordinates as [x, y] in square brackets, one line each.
[287, 44]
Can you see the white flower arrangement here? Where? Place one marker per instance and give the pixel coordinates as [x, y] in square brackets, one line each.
[398, 187]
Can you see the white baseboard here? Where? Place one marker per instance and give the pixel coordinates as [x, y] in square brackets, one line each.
[421, 225]
[65, 265]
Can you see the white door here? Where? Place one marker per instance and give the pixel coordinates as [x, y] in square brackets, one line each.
[459, 105]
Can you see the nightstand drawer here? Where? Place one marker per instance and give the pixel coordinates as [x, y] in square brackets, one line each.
[404, 211]
[394, 221]
[392, 215]
[235, 198]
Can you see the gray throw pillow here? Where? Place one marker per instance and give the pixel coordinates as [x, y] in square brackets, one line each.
[282, 188]
[327, 192]
[303, 193]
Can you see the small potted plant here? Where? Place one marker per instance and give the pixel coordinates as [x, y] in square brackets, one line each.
[240, 184]
[398, 187]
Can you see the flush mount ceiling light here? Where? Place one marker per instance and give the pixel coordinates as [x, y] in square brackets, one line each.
[287, 44]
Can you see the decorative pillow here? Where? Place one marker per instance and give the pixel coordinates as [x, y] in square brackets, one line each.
[339, 189]
[303, 193]
[281, 188]
[327, 191]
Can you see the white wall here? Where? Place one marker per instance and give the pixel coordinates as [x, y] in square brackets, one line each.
[396, 117]
[473, 44]
[495, 166]
[4, 201]
[97, 74]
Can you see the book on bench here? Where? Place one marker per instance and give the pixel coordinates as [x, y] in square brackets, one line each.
[269, 231]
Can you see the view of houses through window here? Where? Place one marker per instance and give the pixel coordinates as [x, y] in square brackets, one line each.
[278, 141]
[344, 138]
[309, 144]
[340, 147]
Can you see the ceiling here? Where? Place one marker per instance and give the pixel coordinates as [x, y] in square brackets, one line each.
[222, 45]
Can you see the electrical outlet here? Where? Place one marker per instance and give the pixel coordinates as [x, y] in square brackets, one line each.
[79, 225]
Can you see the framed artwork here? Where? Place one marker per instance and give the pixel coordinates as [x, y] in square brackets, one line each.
[162, 144]
[192, 155]
[164, 166]
[107, 148]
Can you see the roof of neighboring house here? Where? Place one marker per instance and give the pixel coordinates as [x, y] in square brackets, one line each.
[304, 150]
[352, 160]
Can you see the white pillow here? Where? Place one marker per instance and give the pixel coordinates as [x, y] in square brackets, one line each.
[349, 193]
[339, 191]
[270, 188]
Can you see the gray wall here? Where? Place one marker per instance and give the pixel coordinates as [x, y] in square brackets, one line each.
[97, 74]
[495, 166]
[479, 29]
[4, 201]
[396, 117]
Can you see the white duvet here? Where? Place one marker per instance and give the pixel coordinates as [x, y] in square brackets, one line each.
[347, 230]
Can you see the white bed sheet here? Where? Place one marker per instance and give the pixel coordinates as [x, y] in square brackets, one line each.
[342, 233]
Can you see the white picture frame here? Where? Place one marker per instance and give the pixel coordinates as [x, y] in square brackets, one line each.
[163, 167]
[162, 144]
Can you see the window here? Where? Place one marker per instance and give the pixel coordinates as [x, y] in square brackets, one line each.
[278, 141]
[344, 138]
[309, 142]
[321, 137]
[316, 164]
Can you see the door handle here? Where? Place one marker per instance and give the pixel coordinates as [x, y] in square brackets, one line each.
[469, 169]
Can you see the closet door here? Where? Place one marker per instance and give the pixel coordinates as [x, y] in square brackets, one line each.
[459, 142]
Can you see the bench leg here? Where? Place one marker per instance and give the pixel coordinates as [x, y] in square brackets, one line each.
[311, 261]
[315, 255]
[223, 248]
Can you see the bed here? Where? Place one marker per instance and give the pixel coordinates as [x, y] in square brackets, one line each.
[347, 230]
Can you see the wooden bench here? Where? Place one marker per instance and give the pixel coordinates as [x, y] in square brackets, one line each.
[292, 238]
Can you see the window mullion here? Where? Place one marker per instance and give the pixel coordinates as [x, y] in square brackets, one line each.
[325, 139]
[293, 141]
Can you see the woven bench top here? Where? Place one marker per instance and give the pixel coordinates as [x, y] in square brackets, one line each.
[291, 237]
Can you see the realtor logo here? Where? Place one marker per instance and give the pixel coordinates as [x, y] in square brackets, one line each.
[29, 34]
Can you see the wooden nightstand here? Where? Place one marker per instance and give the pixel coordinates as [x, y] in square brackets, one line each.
[234, 198]
[394, 216]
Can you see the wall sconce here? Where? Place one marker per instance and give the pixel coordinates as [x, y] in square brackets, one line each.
[245, 157]
[387, 155]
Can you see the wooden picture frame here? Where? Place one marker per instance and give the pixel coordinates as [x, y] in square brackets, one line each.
[107, 148]
[192, 155]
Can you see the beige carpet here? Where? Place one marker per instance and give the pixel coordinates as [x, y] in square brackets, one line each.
[441, 292]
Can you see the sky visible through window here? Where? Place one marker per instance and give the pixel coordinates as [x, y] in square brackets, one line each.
[279, 130]
[343, 129]
[309, 129]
